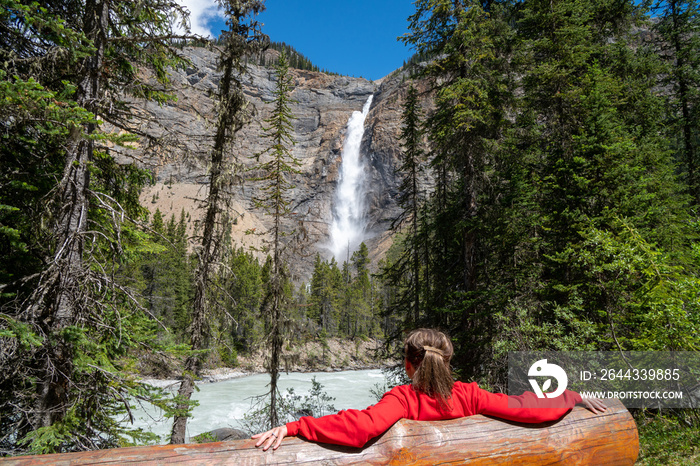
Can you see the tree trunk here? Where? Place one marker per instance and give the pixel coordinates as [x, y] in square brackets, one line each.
[207, 256]
[276, 312]
[55, 304]
[469, 238]
[683, 96]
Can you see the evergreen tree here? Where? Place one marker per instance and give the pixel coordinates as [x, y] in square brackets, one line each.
[600, 154]
[360, 289]
[242, 37]
[65, 67]
[164, 274]
[473, 83]
[546, 130]
[679, 45]
[276, 203]
[325, 283]
[242, 281]
[410, 200]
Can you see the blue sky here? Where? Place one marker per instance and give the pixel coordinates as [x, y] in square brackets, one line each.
[351, 37]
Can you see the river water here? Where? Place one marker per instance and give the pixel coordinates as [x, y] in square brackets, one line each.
[223, 404]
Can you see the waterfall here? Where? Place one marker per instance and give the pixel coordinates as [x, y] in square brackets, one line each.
[349, 220]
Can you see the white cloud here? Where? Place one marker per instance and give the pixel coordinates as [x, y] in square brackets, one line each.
[200, 12]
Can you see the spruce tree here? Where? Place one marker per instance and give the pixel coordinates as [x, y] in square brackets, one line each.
[679, 46]
[74, 63]
[473, 81]
[274, 199]
[546, 131]
[601, 156]
[242, 38]
[410, 200]
[361, 292]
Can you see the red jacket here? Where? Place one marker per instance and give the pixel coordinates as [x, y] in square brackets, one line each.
[355, 427]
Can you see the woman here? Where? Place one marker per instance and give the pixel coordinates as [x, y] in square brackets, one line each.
[433, 395]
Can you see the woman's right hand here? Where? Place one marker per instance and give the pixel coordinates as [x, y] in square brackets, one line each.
[271, 437]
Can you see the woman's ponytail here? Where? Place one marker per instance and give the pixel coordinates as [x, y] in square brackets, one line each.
[429, 352]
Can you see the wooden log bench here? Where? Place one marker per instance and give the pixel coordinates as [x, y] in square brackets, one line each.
[581, 437]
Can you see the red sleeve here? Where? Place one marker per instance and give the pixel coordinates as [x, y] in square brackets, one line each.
[526, 407]
[351, 427]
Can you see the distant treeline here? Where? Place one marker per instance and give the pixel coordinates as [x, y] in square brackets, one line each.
[296, 59]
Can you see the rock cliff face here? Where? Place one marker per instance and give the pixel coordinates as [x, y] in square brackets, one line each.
[323, 106]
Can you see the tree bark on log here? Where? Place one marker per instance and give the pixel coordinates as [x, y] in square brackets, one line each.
[581, 437]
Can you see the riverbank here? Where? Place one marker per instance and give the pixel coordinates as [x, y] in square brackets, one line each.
[328, 355]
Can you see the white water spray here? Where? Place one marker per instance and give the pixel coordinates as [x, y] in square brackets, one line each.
[349, 220]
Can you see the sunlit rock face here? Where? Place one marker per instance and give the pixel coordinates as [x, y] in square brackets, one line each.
[322, 107]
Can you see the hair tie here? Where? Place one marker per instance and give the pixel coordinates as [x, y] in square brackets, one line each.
[433, 350]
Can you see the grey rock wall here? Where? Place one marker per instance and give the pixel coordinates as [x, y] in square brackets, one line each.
[323, 104]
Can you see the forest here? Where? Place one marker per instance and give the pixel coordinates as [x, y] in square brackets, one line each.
[561, 137]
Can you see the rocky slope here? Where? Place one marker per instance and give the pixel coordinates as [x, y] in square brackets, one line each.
[323, 104]
[329, 355]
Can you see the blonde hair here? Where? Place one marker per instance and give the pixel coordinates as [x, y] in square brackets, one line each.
[429, 351]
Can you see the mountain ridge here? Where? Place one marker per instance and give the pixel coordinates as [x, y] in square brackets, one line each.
[322, 107]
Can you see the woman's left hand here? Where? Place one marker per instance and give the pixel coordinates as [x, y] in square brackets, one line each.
[594, 404]
[271, 437]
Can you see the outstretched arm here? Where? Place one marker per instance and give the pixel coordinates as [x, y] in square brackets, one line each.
[352, 427]
[528, 408]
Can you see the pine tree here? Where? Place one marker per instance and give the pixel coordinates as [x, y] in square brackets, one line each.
[546, 130]
[598, 157]
[473, 83]
[360, 289]
[244, 284]
[163, 275]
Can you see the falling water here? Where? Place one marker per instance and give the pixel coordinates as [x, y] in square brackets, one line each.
[349, 220]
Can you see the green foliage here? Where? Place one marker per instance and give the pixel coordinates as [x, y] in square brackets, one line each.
[275, 200]
[326, 281]
[678, 45]
[161, 272]
[295, 59]
[291, 407]
[343, 303]
[667, 440]
[636, 296]
[547, 131]
[411, 200]
[68, 324]
[20, 332]
[228, 356]
[563, 214]
[38, 119]
[280, 165]
[205, 437]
